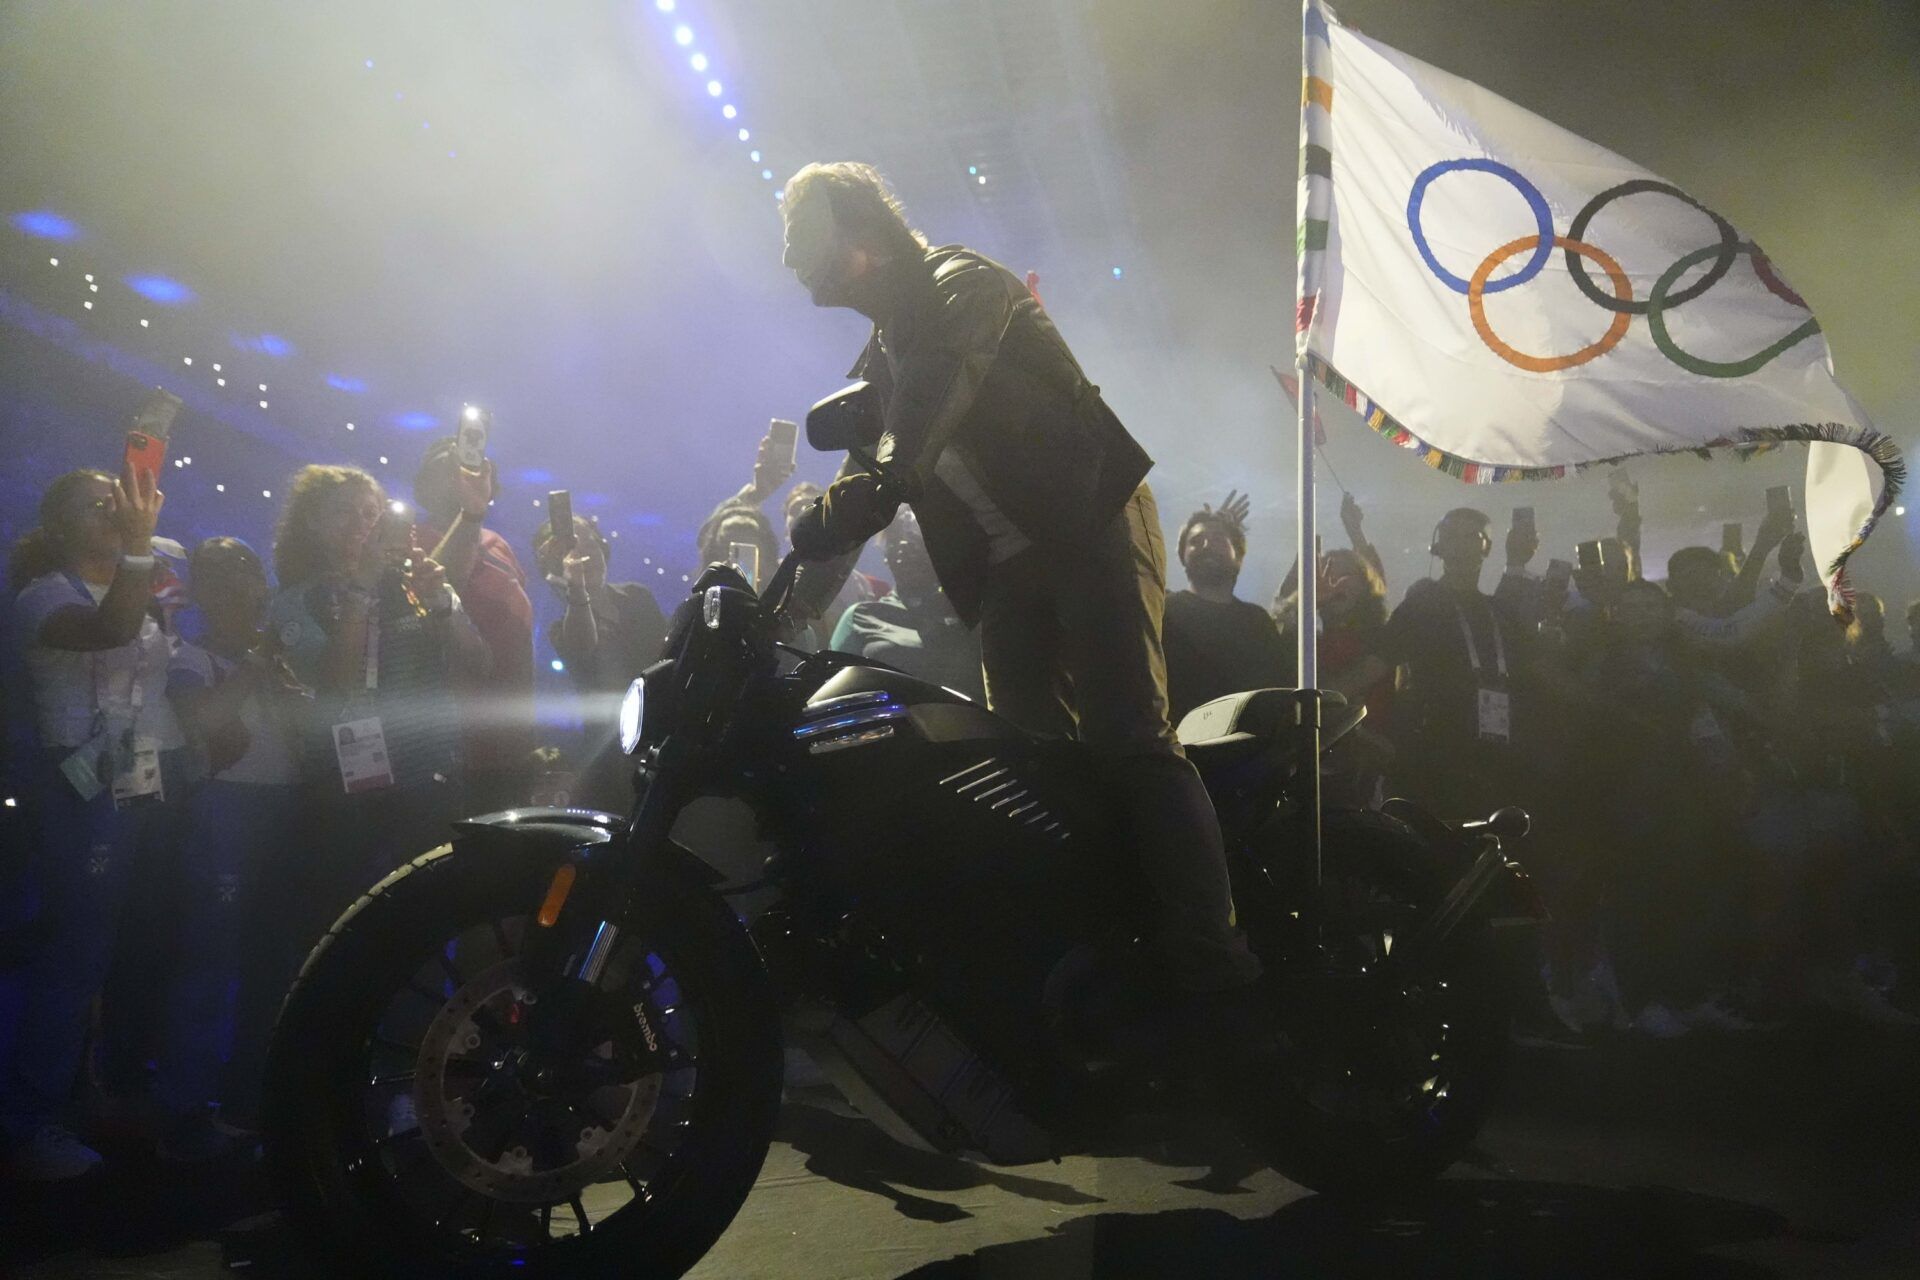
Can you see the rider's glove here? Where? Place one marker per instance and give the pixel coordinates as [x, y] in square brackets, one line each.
[851, 511]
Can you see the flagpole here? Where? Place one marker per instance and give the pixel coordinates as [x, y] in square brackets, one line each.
[1311, 199]
[1306, 658]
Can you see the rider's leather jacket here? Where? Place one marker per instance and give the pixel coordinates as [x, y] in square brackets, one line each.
[966, 359]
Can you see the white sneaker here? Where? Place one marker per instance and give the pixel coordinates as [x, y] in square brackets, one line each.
[52, 1155]
[1660, 1022]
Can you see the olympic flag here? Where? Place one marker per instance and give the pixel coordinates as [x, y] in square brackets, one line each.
[1513, 302]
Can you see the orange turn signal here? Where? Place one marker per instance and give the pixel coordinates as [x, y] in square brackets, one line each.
[557, 891]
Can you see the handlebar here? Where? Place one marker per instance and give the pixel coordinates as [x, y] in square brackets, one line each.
[780, 586]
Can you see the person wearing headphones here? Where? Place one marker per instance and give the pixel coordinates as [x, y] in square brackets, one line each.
[1457, 650]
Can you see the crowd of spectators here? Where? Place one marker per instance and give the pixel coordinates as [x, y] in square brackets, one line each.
[1714, 766]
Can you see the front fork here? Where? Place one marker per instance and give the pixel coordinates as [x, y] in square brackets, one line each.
[575, 936]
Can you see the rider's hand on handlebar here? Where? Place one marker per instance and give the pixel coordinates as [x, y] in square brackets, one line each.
[852, 510]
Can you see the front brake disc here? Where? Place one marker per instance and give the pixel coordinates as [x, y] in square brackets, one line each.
[542, 1160]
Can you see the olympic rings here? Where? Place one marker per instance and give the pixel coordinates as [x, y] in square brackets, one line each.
[1622, 303]
[1725, 252]
[1658, 302]
[1622, 291]
[1542, 215]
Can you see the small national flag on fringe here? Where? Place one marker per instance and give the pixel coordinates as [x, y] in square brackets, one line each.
[1516, 300]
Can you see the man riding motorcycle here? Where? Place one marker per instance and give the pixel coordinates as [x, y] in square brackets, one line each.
[1038, 520]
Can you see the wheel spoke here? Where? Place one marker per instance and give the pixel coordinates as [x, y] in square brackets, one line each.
[580, 1212]
[397, 1077]
[401, 1136]
[507, 951]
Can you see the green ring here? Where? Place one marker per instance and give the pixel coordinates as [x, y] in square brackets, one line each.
[1657, 324]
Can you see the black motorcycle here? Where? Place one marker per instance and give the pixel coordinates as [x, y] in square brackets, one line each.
[555, 1046]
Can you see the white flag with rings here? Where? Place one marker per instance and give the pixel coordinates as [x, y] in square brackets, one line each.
[1512, 301]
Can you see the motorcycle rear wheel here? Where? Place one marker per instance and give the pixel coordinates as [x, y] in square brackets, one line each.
[635, 1174]
[1389, 1071]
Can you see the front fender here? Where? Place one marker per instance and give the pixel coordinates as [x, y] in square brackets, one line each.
[583, 836]
[577, 833]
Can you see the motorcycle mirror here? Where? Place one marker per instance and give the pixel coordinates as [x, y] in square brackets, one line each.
[847, 419]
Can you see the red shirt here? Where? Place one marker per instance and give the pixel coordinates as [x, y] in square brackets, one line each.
[497, 708]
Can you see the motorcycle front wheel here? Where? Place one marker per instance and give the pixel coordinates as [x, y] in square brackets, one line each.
[412, 1135]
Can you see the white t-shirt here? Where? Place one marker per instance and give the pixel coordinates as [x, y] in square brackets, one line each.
[78, 694]
[1004, 539]
[269, 756]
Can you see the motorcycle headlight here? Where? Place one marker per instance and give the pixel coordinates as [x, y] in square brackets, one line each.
[633, 713]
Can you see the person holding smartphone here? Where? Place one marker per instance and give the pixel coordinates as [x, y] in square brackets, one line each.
[610, 633]
[497, 708]
[95, 665]
[1714, 607]
[369, 623]
[740, 521]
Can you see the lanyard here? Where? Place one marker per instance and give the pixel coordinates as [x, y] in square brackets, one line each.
[373, 650]
[1473, 650]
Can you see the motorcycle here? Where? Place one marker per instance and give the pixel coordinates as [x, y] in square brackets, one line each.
[555, 1047]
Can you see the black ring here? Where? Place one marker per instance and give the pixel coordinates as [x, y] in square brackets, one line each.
[1722, 263]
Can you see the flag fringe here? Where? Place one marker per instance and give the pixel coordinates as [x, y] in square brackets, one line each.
[1745, 443]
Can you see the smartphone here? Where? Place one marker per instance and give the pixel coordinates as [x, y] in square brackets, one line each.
[1559, 573]
[1523, 518]
[786, 440]
[470, 442]
[1780, 501]
[1732, 540]
[396, 534]
[147, 437]
[560, 518]
[1592, 555]
[745, 556]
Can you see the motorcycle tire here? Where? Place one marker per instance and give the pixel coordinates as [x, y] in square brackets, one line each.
[1370, 859]
[337, 1185]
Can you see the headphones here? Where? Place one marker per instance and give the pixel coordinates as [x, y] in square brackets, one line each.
[1486, 539]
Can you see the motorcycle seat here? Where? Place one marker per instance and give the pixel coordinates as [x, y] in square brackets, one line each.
[1231, 730]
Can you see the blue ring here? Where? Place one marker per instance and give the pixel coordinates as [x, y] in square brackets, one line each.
[1542, 215]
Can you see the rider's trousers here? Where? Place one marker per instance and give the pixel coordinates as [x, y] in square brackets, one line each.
[1070, 643]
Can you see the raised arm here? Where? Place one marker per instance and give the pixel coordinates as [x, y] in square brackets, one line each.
[459, 548]
[136, 500]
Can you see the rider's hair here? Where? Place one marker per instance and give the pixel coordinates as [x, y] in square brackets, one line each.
[863, 205]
